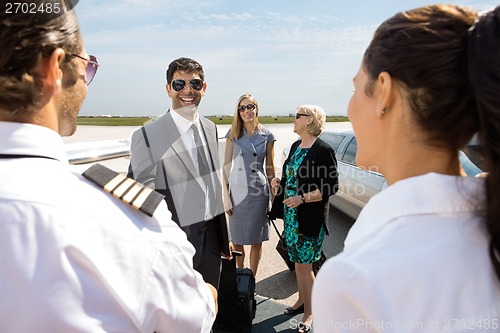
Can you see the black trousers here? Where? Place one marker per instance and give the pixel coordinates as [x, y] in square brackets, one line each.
[208, 262]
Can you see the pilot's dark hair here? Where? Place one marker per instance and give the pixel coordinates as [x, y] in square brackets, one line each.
[184, 65]
[25, 40]
[447, 58]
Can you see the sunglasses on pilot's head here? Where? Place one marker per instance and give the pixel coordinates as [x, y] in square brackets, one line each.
[298, 115]
[179, 84]
[92, 66]
[248, 107]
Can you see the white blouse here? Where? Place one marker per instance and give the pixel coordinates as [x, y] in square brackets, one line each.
[416, 260]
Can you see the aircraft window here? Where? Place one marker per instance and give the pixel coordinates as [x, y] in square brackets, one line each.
[333, 139]
[350, 152]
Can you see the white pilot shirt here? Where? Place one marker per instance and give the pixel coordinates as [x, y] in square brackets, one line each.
[75, 259]
[416, 260]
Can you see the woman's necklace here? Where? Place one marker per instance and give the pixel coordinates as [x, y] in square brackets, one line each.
[250, 132]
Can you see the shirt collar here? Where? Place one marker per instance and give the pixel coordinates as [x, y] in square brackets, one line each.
[183, 125]
[431, 193]
[29, 139]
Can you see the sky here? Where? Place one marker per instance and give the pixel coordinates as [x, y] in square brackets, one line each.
[284, 52]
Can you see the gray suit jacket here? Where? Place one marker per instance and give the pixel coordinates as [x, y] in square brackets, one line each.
[161, 161]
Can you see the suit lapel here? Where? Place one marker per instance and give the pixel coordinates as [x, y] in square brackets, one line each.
[250, 144]
[210, 133]
[258, 138]
[245, 143]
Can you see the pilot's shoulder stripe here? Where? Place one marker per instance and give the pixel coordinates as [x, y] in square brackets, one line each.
[123, 187]
[141, 198]
[126, 189]
[113, 183]
[132, 193]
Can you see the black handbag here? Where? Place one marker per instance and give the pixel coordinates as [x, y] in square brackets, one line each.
[283, 252]
[317, 264]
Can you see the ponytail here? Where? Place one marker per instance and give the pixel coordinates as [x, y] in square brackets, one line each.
[484, 75]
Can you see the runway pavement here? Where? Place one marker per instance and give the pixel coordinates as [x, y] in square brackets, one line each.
[276, 285]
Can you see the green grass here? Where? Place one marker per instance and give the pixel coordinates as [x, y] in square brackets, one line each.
[113, 121]
[138, 121]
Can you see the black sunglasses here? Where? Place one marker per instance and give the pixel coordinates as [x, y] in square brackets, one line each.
[249, 107]
[179, 84]
[298, 115]
[92, 66]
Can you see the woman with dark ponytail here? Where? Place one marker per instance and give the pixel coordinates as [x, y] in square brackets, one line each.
[484, 73]
[424, 254]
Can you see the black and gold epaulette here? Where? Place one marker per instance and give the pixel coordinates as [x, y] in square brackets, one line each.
[126, 189]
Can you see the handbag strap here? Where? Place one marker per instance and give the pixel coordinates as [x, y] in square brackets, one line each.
[277, 231]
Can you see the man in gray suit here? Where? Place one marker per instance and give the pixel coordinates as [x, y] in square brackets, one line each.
[177, 155]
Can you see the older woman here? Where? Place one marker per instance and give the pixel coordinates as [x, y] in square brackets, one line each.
[249, 163]
[309, 178]
[423, 254]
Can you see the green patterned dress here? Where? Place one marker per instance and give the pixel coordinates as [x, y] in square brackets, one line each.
[302, 249]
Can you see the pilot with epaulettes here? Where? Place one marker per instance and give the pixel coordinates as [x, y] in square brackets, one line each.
[90, 253]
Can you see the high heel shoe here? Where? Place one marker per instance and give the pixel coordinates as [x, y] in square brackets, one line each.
[291, 311]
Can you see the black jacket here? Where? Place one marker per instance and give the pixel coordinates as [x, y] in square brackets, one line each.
[318, 170]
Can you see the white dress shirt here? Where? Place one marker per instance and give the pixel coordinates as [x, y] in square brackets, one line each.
[75, 259]
[416, 260]
[187, 137]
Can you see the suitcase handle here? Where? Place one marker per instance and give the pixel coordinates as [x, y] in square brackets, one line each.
[233, 254]
[228, 283]
[236, 253]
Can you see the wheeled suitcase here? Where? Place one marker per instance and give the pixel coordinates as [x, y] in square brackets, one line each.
[237, 304]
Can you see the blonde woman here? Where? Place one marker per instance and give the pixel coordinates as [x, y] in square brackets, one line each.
[309, 178]
[248, 165]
